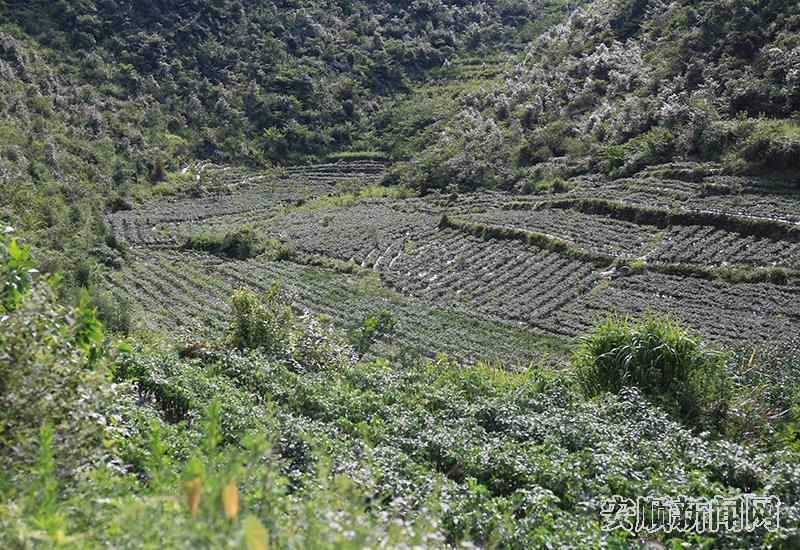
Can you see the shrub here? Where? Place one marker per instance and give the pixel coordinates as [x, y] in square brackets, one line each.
[159, 174]
[655, 354]
[545, 143]
[113, 311]
[54, 374]
[373, 327]
[547, 185]
[239, 244]
[16, 271]
[261, 321]
[775, 145]
[652, 147]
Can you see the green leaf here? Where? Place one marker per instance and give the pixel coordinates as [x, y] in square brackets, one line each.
[256, 536]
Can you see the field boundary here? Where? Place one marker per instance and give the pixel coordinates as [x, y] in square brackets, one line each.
[775, 230]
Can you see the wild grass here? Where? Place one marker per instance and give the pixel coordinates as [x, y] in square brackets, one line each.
[658, 356]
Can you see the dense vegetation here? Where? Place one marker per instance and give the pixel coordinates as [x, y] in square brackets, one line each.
[357, 273]
[616, 87]
[276, 433]
[104, 101]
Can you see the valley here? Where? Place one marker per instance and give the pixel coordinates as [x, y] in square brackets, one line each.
[475, 290]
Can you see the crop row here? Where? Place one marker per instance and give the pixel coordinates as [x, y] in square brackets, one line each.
[709, 246]
[258, 195]
[591, 232]
[425, 325]
[467, 293]
[370, 231]
[169, 295]
[650, 192]
[623, 231]
[138, 230]
[500, 306]
[371, 170]
[192, 290]
[188, 289]
[725, 313]
[507, 281]
[347, 168]
[367, 232]
[499, 279]
[245, 200]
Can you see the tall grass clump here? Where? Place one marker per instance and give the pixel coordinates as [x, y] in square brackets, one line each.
[671, 366]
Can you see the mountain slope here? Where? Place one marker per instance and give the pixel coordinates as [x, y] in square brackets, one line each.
[620, 85]
[101, 100]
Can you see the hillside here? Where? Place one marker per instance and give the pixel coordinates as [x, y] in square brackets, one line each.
[378, 274]
[109, 97]
[618, 86]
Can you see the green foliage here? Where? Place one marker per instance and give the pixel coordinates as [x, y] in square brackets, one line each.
[357, 155]
[373, 327]
[639, 84]
[788, 436]
[775, 145]
[551, 141]
[650, 148]
[468, 446]
[113, 311]
[668, 364]
[239, 244]
[551, 185]
[261, 321]
[105, 106]
[294, 442]
[279, 435]
[16, 271]
[54, 371]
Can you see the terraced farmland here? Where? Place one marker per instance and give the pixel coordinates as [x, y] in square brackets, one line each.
[710, 246]
[190, 292]
[508, 277]
[164, 221]
[733, 195]
[598, 233]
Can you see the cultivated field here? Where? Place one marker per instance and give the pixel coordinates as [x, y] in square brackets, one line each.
[482, 275]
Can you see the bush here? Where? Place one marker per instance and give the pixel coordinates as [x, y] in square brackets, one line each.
[545, 143]
[373, 327]
[16, 271]
[54, 376]
[239, 244]
[114, 312]
[775, 145]
[261, 322]
[653, 147]
[668, 364]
